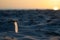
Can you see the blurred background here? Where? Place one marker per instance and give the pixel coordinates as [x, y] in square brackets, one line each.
[29, 4]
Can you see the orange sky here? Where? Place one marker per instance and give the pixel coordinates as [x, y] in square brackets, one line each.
[29, 4]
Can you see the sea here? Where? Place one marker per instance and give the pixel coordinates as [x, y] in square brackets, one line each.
[32, 24]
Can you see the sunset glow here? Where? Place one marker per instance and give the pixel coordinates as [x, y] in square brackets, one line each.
[55, 8]
[29, 4]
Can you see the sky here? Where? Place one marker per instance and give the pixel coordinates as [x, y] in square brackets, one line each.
[29, 4]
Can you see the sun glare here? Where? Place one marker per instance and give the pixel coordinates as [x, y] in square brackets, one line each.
[55, 8]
